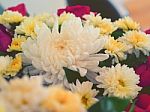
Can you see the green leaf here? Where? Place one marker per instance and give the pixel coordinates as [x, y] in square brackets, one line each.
[133, 61]
[110, 104]
[72, 76]
[107, 62]
[145, 90]
[117, 33]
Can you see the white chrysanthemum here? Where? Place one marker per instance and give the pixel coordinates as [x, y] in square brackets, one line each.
[119, 81]
[5, 61]
[116, 48]
[139, 41]
[105, 25]
[86, 93]
[22, 94]
[127, 23]
[75, 46]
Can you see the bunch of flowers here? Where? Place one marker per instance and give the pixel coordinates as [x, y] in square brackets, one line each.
[77, 61]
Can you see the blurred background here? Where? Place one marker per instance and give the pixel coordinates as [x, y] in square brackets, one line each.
[114, 9]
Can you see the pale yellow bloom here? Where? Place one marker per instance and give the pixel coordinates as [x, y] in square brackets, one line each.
[22, 95]
[27, 27]
[105, 25]
[10, 17]
[15, 66]
[46, 18]
[116, 48]
[138, 41]
[127, 23]
[93, 19]
[2, 107]
[65, 16]
[60, 100]
[16, 44]
[5, 62]
[86, 93]
[119, 81]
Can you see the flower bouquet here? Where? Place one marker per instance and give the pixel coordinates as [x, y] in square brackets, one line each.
[75, 61]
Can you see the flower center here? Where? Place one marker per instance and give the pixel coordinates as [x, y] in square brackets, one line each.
[84, 100]
[121, 82]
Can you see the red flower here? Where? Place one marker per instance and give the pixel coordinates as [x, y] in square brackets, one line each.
[77, 10]
[142, 104]
[144, 72]
[147, 31]
[5, 38]
[21, 8]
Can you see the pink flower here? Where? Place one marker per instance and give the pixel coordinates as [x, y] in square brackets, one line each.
[5, 38]
[21, 8]
[77, 10]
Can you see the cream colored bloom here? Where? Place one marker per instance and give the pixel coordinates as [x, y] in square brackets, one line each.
[127, 23]
[86, 93]
[60, 100]
[116, 48]
[64, 17]
[138, 40]
[16, 43]
[27, 27]
[119, 81]
[5, 61]
[46, 18]
[10, 17]
[75, 47]
[105, 25]
[21, 94]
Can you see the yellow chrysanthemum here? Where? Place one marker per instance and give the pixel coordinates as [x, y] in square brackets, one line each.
[105, 25]
[127, 23]
[119, 81]
[16, 44]
[116, 48]
[86, 93]
[60, 100]
[11, 17]
[45, 18]
[27, 27]
[65, 16]
[93, 19]
[138, 40]
[5, 61]
[14, 66]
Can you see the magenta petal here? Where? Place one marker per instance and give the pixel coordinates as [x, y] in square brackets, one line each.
[77, 10]
[147, 31]
[5, 39]
[143, 101]
[60, 11]
[21, 8]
